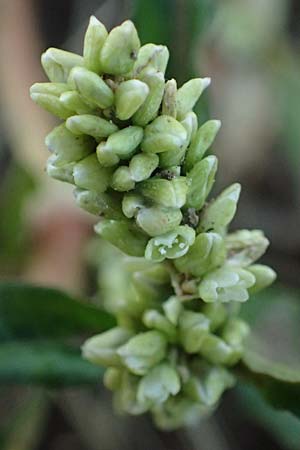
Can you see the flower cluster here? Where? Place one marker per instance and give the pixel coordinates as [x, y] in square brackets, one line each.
[131, 145]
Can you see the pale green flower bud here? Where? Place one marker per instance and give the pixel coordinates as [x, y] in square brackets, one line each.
[106, 204]
[217, 351]
[216, 313]
[143, 351]
[94, 39]
[201, 142]
[131, 204]
[235, 332]
[88, 174]
[172, 158]
[92, 87]
[149, 109]
[102, 348]
[120, 49]
[49, 88]
[245, 246]
[201, 179]
[62, 172]
[52, 104]
[164, 134]
[125, 398]
[166, 193]
[149, 288]
[170, 245]
[142, 165]
[226, 285]
[169, 99]
[207, 253]
[154, 319]
[129, 96]
[193, 328]
[151, 55]
[173, 309]
[264, 276]
[112, 378]
[190, 123]
[58, 63]
[208, 387]
[122, 180]
[220, 212]
[74, 101]
[188, 95]
[119, 145]
[91, 125]
[158, 220]
[66, 146]
[159, 383]
[123, 235]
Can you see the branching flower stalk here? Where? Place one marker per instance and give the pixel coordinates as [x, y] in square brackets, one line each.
[131, 145]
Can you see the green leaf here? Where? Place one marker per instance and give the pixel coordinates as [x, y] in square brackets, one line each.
[272, 356]
[32, 312]
[45, 363]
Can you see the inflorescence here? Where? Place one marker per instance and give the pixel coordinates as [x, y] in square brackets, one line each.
[131, 145]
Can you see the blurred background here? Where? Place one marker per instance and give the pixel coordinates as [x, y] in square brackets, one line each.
[251, 50]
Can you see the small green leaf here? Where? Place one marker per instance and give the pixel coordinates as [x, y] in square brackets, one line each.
[31, 312]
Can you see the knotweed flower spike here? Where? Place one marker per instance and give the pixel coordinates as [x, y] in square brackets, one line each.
[131, 145]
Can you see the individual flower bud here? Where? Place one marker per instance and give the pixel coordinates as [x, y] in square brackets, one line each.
[143, 351]
[207, 253]
[170, 245]
[66, 146]
[94, 39]
[58, 63]
[142, 165]
[91, 125]
[225, 285]
[264, 276]
[49, 88]
[166, 193]
[120, 49]
[119, 145]
[62, 172]
[209, 386]
[216, 313]
[188, 95]
[74, 101]
[169, 99]
[102, 348]
[131, 204]
[173, 309]
[217, 351]
[123, 235]
[235, 332]
[125, 397]
[149, 289]
[52, 104]
[106, 204]
[201, 143]
[163, 134]
[129, 96]
[190, 123]
[149, 109]
[88, 174]
[92, 87]
[200, 180]
[220, 212]
[172, 158]
[151, 56]
[245, 246]
[193, 327]
[158, 384]
[154, 319]
[122, 180]
[158, 220]
[112, 378]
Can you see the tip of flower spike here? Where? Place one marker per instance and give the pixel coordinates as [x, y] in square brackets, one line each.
[206, 82]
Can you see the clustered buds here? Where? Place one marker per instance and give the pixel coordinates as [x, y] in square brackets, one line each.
[131, 145]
